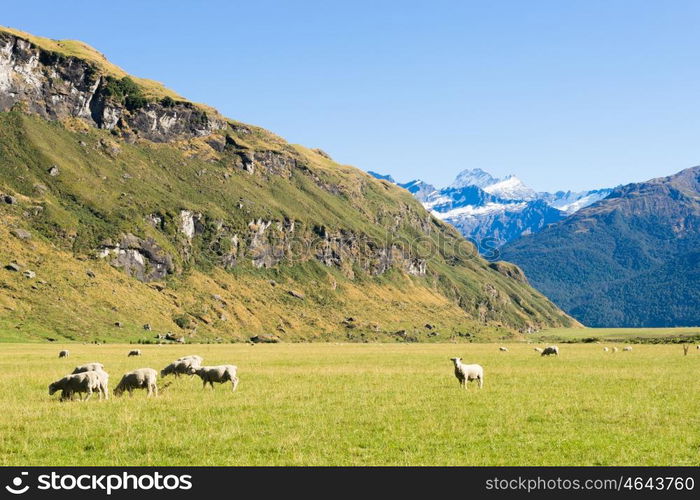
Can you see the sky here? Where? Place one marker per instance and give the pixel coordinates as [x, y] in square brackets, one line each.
[576, 94]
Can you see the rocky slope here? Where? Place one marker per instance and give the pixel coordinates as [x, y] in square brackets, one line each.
[635, 253]
[124, 205]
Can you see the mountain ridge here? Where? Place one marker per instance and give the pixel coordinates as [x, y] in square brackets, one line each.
[625, 247]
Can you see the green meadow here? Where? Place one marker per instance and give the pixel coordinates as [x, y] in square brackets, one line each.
[360, 404]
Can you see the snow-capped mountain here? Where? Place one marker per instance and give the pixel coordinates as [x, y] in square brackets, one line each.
[419, 189]
[570, 202]
[492, 211]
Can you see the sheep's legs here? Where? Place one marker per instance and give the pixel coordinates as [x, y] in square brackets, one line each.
[234, 383]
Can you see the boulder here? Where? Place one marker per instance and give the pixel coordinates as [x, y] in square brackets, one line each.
[21, 234]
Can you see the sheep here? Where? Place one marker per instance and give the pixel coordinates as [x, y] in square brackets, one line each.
[64, 353]
[627, 348]
[143, 378]
[549, 350]
[219, 374]
[605, 349]
[103, 378]
[193, 359]
[539, 349]
[615, 349]
[503, 349]
[88, 367]
[685, 349]
[465, 373]
[84, 382]
[178, 368]
[134, 352]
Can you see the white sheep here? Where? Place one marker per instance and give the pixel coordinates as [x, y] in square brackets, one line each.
[193, 359]
[503, 349]
[465, 373]
[89, 367]
[549, 350]
[219, 374]
[143, 378]
[539, 349]
[627, 348]
[605, 349]
[103, 378]
[615, 349]
[134, 352]
[80, 383]
[64, 353]
[177, 368]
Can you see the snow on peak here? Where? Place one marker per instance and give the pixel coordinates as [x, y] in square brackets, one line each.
[473, 177]
[511, 188]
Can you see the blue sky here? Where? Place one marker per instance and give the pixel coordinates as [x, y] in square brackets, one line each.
[564, 94]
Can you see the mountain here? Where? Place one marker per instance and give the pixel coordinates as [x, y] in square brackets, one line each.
[491, 211]
[631, 259]
[126, 210]
[381, 177]
[570, 202]
[419, 189]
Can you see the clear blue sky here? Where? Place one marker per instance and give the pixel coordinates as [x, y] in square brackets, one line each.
[565, 94]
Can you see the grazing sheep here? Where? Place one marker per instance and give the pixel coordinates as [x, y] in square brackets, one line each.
[134, 352]
[605, 349]
[697, 347]
[103, 378]
[84, 382]
[685, 349]
[219, 374]
[615, 349]
[143, 378]
[539, 349]
[194, 359]
[503, 349]
[63, 354]
[465, 373]
[88, 367]
[178, 368]
[627, 348]
[549, 350]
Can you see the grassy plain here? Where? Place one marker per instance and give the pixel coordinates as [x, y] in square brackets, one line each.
[361, 404]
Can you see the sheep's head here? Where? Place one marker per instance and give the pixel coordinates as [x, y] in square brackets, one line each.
[118, 390]
[53, 388]
[456, 361]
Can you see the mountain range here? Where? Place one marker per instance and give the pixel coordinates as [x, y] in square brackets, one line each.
[127, 210]
[631, 259]
[492, 211]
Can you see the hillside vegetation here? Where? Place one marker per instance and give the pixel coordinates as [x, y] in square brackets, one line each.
[177, 218]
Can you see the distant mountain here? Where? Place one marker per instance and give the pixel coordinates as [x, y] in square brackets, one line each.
[492, 211]
[631, 259]
[382, 177]
[419, 189]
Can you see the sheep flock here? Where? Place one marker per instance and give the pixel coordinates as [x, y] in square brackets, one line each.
[90, 378]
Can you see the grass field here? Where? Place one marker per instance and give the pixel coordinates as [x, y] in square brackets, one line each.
[361, 404]
[636, 335]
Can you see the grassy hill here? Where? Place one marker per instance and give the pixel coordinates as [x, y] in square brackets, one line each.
[218, 231]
